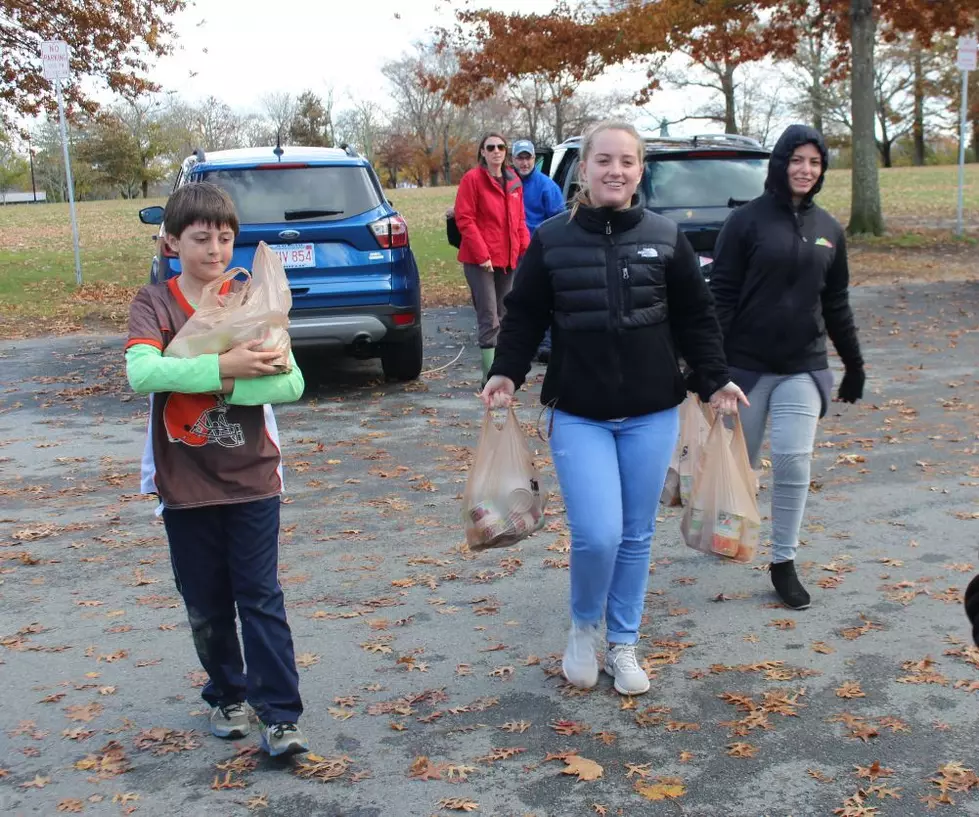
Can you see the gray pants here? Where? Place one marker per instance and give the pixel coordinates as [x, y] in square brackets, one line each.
[794, 403]
[488, 291]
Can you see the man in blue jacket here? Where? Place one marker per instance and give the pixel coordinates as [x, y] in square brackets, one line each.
[542, 198]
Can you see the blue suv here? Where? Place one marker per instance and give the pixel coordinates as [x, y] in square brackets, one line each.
[345, 249]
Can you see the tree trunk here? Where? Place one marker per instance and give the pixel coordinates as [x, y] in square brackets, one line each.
[975, 140]
[918, 128]
[884, 147]
[865, 210]
[730, 102]
[446, 158]
[559, 121]
[817, 92]
[146, 189]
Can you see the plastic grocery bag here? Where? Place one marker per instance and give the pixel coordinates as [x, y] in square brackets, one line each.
[503, 501]
[258, 310]
[695, 422]
[723, 516]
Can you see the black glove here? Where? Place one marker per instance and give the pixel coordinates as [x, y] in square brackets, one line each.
[972, 607]
[851, 387]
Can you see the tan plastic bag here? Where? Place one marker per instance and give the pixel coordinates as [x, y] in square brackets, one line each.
[503, 501]
[723, 516]
[258, 310]
[695, 422]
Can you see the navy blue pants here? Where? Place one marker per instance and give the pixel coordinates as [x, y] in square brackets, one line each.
[225, 556]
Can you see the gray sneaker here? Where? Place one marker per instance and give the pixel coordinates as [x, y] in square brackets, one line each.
[230, 722]
[283, 739]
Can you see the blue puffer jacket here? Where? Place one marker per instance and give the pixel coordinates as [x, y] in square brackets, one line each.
[542, 199]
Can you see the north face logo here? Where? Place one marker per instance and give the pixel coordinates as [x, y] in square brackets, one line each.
[648, 252]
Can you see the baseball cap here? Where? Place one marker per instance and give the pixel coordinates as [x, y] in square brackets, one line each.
[523, 146]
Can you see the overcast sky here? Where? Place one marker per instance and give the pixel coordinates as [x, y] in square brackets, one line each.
[295, 44]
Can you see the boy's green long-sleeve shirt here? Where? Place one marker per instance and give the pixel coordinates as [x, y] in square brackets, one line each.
[150, 372]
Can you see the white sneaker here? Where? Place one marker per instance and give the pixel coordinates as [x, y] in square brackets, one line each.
[580, 665]
[621, 664]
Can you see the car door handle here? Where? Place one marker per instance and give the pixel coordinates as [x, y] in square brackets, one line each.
[299, 290]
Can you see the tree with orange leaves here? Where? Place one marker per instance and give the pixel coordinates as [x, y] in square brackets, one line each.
[722, 34]
[111, 42]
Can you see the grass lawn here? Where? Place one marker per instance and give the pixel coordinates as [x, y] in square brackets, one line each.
[37, 282]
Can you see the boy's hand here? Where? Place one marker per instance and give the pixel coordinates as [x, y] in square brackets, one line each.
[247, 361]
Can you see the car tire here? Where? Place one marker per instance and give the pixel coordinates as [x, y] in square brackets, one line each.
[403, 361]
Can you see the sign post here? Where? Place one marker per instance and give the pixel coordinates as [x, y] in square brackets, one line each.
[55, 58]
[966, 62]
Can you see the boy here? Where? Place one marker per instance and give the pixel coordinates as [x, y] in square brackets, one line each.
[542, 199]
[212, 457]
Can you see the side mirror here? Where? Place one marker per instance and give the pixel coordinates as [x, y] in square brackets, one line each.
[151, 215]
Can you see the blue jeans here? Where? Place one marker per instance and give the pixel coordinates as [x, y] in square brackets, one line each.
[793, 402]
[611, 475]
[226, 556]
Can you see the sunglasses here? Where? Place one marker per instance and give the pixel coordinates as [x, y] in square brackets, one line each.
[494, 147]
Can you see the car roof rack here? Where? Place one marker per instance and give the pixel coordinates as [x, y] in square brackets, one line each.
[736, 138]
[718, 139]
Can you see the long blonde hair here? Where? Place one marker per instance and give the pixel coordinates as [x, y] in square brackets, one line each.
[583, 196]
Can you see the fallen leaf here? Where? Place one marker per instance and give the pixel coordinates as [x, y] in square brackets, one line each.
[873, 771]
[583, 767]
[666, 788]
[741, 750]
[458, 804]
[850, 689]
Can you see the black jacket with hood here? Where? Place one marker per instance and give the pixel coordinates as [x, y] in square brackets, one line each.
[623, 294]
[780, 280]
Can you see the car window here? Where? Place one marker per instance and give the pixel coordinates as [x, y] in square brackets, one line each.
[263, 196]
[687, 183]
[684, 183]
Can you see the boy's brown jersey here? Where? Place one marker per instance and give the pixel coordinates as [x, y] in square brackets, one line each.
[200, 450]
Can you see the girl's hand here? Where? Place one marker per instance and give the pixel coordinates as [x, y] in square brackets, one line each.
[498, 392]
[725, 400]
[487, 265]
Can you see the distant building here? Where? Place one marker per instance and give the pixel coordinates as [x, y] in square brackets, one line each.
[22, 198]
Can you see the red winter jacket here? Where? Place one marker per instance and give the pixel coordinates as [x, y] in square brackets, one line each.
[492, 224]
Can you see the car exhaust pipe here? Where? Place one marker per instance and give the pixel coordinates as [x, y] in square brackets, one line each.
[361, 345]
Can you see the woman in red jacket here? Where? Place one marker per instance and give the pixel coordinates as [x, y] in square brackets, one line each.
[490, 215]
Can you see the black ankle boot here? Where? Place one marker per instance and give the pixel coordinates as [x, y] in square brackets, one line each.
[788, 586]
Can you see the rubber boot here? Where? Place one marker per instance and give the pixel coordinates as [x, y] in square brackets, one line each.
[488, 355]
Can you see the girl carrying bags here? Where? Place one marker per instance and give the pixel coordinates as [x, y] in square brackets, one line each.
[615, 283]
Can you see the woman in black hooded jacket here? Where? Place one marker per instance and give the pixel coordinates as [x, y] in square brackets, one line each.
[781, 285]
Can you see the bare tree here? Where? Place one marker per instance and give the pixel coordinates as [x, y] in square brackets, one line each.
[813, 62]
[760, 105]
[280, 108]
[894, 102]
[217, 126]
[428, 113]
[362, 126]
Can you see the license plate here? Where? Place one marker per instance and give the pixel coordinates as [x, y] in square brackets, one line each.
[294, 256]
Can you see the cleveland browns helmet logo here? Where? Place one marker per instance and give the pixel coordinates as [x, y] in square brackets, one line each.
[200, 419]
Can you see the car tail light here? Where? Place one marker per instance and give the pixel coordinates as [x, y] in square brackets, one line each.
[391, 232]
[404, 319]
